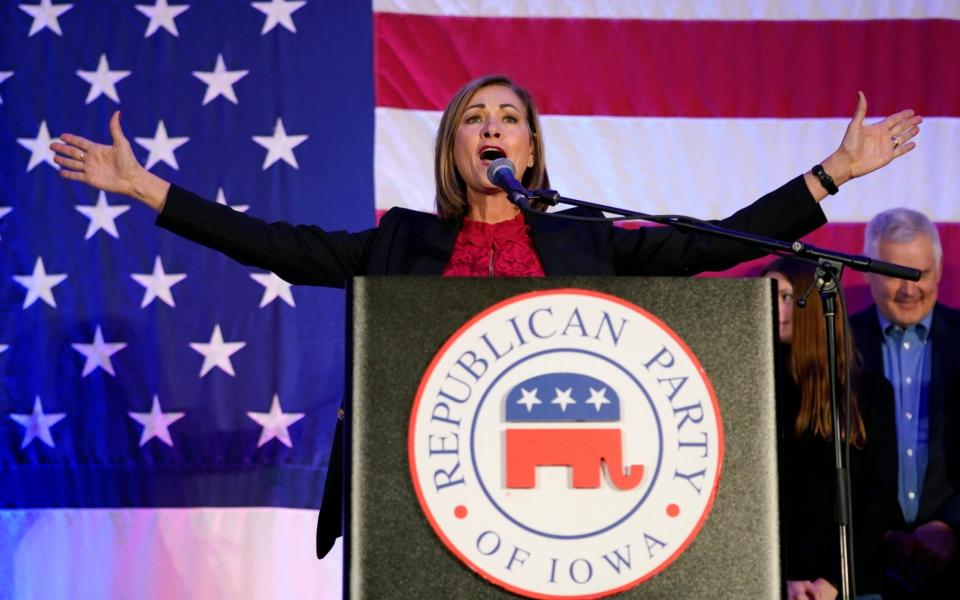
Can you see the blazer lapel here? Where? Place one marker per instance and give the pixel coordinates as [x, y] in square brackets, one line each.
[563, 246]
[942, 339]
[872, 344]
[437, 240]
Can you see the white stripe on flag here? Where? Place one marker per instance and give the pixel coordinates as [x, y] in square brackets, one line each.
[724, 10]
[157, 554]
[702, 167]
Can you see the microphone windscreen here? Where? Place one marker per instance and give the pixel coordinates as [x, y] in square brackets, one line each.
[497, 166]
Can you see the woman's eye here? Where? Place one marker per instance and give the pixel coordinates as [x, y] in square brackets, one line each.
[472, 119]
[510, 119]
[786, 297]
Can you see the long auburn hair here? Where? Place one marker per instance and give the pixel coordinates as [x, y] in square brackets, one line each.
[451, 195]
[808, 354]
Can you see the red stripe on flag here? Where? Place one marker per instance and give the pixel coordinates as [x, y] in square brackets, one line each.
[675, 68]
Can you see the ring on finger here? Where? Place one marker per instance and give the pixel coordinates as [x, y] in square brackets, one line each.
[83, 156]
[896, 142]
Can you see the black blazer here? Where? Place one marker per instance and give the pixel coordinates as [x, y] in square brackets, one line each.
[408, 242]
[877, 509]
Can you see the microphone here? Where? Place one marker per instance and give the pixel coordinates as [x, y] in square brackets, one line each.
[503, 174]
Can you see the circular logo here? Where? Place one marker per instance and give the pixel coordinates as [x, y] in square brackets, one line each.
[565, 444]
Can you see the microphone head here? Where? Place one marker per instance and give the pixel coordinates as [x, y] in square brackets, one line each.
[497, 167]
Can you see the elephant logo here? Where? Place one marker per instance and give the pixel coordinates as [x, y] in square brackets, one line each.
[565, 443]
[565, 398]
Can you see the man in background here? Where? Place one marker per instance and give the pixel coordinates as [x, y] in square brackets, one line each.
[910, 388]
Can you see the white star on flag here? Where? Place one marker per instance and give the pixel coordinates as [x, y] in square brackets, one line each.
[278, 12]
[39, 285]
[275, 423]
[598, 398]
[161, 147]
[98, 354]
[3, 348]
[39, 148]
[162, 14]
[222, 199]
[4, 211]
[217, 353]
[45, 16]
[563, 399]
[102, 216]
[4, 75]
[37, 424]
[273, 288]
[156, 423]
[102, 81]
[280, 145]
[158, 283]
[220, 81]
[529, 398]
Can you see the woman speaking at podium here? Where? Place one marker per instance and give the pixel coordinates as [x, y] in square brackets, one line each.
[477, 231]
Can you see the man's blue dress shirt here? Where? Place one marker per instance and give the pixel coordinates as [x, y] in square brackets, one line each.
[906, 363]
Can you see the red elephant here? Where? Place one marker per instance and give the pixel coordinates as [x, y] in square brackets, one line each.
[581, 449]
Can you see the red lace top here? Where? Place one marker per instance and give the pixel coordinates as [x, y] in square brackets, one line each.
[501, 249]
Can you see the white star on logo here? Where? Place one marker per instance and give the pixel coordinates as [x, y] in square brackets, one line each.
[45, 15]
[4, 211]
[563, 399]
[275, 423]
[102, 216]
[217, 353]
[529, 398]
[156, 423]
[158, 284]
[39, 285]
[4, 75]
[102, 81]
[39, 148]
[161, 147]
[222, 199]
[278, 12]
[220, 81]
[3, 348]
[273, 288]
[162, 14]
[280, 145]
[598, 398]
[37, 424]
[98, 354]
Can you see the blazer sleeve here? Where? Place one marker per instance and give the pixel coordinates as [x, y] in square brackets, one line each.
[787, 213]
[299, 254]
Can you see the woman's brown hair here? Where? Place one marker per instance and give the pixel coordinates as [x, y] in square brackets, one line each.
[451, 197]
[808, 357]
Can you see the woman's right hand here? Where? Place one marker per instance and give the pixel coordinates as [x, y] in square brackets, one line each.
[111, 168]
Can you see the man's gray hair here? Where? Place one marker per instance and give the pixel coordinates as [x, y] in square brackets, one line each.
[900, 225]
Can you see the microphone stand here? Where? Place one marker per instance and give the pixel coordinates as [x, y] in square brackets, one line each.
[830, 266]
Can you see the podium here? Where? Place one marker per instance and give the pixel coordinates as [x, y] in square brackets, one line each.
[399, 324]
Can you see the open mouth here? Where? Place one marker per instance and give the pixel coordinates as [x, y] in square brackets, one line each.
[491, 153]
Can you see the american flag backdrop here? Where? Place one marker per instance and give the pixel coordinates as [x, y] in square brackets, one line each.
[165, 413]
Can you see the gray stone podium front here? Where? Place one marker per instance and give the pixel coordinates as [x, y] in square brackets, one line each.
[398, 324]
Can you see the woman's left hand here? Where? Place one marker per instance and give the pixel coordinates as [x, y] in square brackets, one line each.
[866, 148]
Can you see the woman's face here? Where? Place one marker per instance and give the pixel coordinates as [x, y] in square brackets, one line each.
[785, 302]
[493, 126]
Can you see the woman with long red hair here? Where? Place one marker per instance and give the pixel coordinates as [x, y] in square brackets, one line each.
[806, 433]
